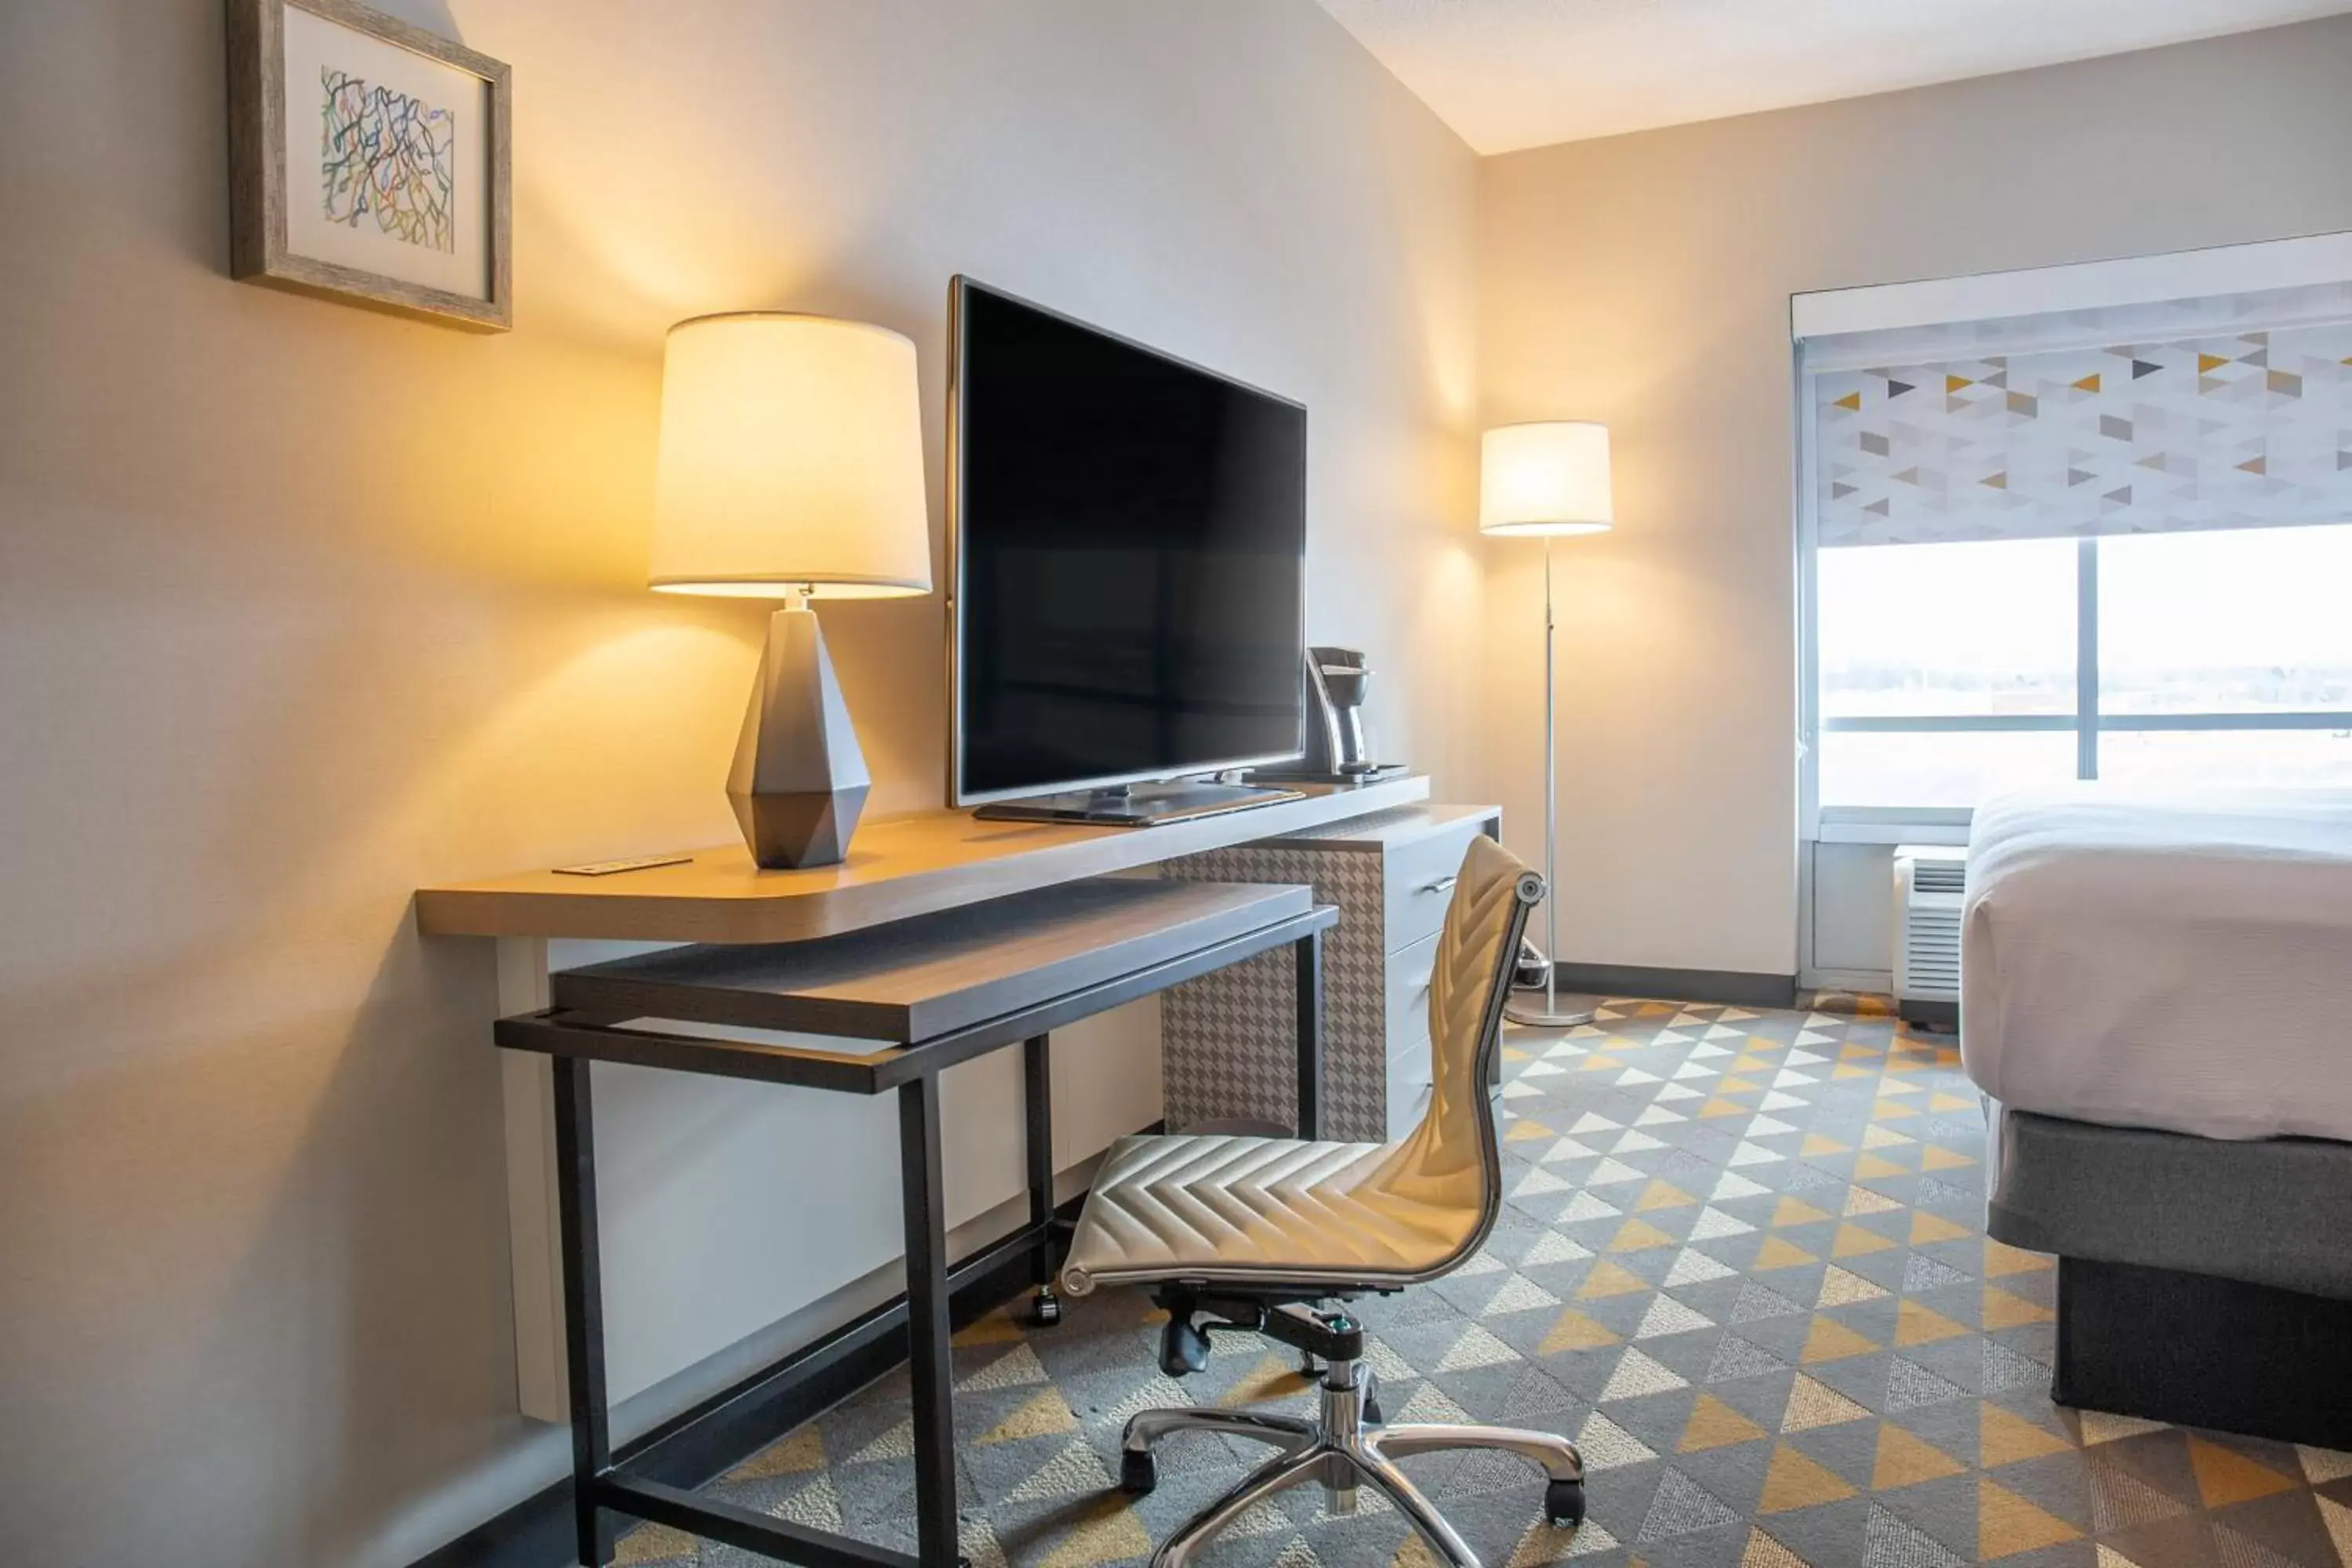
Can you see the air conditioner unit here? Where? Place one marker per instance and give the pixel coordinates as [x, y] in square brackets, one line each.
[1929, 882]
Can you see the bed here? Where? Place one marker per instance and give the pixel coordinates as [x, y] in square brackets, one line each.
[2157, 1003]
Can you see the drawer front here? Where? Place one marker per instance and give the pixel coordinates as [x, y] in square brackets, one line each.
[1408, 1089]
[1421, 883]
[1407, 984]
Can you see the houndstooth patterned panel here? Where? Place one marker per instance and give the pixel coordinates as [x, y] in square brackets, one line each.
[1229, 1040]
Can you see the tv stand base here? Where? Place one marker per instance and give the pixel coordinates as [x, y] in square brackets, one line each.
[1137, 806]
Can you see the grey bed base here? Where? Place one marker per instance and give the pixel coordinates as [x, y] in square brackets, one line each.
[2201, 1282]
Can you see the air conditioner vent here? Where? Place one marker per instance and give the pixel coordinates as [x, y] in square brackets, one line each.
[1938, 876]
[1931, 953]
[1929, 882]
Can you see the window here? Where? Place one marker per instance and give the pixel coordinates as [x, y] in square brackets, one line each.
[1924, 650]
[2111, 544]
[2247, 621]
[2226, 657]
[1950, 671]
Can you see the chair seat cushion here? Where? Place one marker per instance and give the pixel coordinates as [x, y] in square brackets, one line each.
[1235, 1210]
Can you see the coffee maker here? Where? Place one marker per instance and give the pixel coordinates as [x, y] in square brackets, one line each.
[1333, 749]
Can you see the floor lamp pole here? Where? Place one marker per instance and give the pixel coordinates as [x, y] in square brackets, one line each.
[1549, 1017]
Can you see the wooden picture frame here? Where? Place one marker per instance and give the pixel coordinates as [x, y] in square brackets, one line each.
[410, 202]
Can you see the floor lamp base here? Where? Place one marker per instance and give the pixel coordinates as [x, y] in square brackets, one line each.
[1535, 1014]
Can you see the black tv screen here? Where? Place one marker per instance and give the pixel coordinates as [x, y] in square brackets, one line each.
[1130, 535]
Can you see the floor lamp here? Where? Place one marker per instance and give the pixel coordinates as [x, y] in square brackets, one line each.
[1546, 479]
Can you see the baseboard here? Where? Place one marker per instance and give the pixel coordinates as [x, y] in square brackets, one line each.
[1861, 982]
[1731, 987]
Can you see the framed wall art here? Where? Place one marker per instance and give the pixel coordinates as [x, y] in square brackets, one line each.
[369, 161]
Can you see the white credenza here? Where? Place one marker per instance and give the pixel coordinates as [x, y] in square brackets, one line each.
[1228, 1041]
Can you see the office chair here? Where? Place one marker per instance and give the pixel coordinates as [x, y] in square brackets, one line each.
[1263, 1234]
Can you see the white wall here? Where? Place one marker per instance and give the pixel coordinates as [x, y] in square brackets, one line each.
[1644, 280]
[301, 607]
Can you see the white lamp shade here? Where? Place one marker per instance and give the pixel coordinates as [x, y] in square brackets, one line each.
[1546, 478]
[792, 455]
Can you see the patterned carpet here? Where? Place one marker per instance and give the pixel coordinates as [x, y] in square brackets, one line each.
[1740, 1259]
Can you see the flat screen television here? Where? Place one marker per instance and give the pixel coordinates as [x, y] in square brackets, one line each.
[1129, 535]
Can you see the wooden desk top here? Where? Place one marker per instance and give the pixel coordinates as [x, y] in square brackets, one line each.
[897, 867]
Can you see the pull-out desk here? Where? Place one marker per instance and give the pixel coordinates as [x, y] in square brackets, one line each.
[906, 1001]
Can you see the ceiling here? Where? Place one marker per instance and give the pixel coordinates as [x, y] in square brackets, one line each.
[1526, 73]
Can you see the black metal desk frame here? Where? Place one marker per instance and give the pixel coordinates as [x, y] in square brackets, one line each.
[576, 1038]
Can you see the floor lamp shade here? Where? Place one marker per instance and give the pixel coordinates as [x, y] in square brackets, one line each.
[1545, 479]
[1548, 478]
[792, 468]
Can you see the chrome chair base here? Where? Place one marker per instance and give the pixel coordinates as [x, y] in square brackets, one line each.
[1342, 1448]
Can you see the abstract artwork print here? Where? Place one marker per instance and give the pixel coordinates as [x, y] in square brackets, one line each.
[387, 161]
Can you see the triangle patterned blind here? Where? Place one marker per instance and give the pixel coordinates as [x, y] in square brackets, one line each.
[2245, 423]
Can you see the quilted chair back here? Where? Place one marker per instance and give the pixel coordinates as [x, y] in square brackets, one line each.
[1452, 1161]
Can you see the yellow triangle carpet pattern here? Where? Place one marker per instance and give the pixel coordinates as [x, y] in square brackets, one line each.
[1740, 1259]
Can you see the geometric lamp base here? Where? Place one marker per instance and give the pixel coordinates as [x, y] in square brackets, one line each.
[799, 780]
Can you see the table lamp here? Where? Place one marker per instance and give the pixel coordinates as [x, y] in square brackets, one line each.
[792, 468]
[1546, 479]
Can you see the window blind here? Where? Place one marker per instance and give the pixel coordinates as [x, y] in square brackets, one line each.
[2210, 413]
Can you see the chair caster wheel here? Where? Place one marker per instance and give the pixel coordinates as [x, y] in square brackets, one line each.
[1138, 1472]
[1373, 1411]
[1564, 1502]
[1044, 1311]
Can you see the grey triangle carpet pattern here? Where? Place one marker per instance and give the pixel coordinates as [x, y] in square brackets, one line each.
[1740, 1259]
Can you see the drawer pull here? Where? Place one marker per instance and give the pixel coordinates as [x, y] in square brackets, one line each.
[1439, 885]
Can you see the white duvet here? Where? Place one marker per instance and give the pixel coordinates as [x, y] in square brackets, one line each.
[2181, 963]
